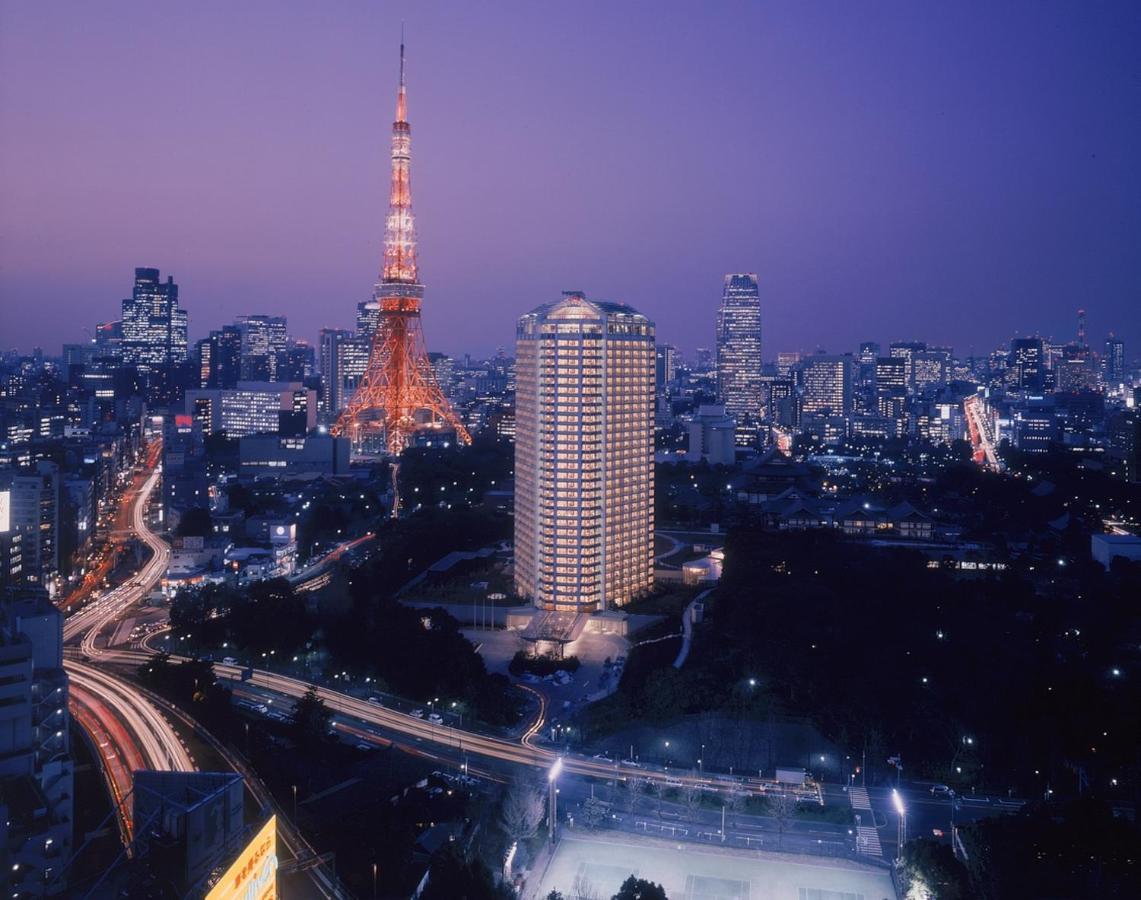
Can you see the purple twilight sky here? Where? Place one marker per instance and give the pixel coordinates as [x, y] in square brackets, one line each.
[955, 172]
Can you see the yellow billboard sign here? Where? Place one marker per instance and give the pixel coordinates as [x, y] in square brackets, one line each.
[253, 876]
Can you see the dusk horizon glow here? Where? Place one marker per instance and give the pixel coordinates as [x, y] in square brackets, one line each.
[959, 175]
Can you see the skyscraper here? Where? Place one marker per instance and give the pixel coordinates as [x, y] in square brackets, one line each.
[1027, 364]
[220, 358]
[343, 360]
[153, 325]
[1114, 361]
[584, 455]
[739, 351]
[827, 384]
[906, 350]
[891, 391]
[264, 342]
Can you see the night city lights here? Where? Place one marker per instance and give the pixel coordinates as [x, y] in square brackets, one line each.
[726, 485]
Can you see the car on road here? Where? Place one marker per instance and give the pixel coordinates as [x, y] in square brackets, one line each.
[375, 701]
[435, 718]
[417, 713]
[941, 790]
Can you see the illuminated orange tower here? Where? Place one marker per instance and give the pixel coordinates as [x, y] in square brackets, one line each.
[398, 393]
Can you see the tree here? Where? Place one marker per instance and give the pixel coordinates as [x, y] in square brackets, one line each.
[783, 805]
[582, 889]
[311, 717]
[692, 794]
[635, 787]
[640, 889]
[522, 811]
[594, 812]
[931, 872]
[451, 877]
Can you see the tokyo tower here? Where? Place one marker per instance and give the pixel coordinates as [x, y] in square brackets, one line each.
[398, 394]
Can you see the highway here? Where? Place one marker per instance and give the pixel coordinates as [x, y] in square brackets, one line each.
[131, 728]
[522, 751]
[126, 730]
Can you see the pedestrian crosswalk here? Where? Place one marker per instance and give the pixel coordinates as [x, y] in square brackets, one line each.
[867, 837]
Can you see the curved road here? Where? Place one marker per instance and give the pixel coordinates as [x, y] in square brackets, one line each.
[126, 730]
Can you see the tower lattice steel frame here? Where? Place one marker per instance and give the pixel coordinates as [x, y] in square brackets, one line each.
[398, 393]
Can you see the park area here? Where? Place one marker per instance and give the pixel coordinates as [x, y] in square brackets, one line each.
[592, 867]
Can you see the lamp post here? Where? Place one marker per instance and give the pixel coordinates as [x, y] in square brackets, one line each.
[374, 881]
[552, 778]
[897, 800]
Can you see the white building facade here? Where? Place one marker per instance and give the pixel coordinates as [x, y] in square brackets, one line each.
[584, 455]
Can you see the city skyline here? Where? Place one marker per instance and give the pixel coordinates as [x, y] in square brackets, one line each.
[1009, 145]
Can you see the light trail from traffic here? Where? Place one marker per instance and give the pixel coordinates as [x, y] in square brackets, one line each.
[126, 730]
[157, 743]
[518, 752]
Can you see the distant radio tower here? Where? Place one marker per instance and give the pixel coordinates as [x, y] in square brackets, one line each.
[398, 394]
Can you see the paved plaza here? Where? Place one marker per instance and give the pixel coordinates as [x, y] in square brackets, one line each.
[691, 872]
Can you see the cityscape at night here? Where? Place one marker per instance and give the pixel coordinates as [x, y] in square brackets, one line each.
[715, 475]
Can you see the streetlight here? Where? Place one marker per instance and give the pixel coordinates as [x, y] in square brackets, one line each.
[552, 777]
[898, 801]
[374, 881]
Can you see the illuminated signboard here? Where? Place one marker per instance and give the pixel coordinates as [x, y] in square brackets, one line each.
[253, 876]
[5, 516]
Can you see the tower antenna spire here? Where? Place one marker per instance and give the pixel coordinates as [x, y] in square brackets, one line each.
[398, 394]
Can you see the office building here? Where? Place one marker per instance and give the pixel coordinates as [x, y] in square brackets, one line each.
[343, 362]
[1027, 365]
[33, 510]
[712, 436]
[780, 403]
[293, 456]
[891, 391]
[264, 343]
[1123, 433]
[866, 375]
[221, 361]
[584, 455]
[827, 385]
[1113, 363]
[153, 325]
[253, 408]
[37, 772]
[739, 351]
[929, 370]
[906, 350]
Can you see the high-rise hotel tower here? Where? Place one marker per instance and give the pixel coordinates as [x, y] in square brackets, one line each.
[739, 352]
[584, 455]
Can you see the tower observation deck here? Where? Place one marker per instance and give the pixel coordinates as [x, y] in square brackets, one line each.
[398, 395]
